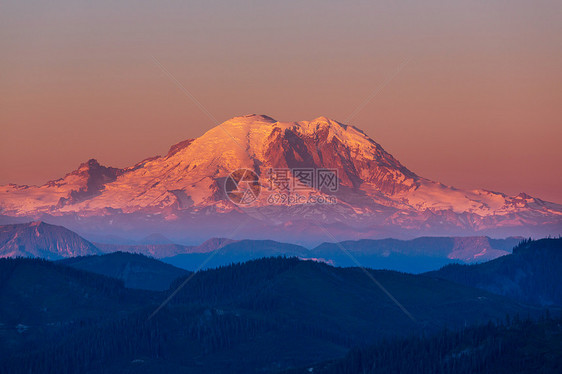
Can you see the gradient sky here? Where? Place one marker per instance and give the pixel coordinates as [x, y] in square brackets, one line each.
[478, 104]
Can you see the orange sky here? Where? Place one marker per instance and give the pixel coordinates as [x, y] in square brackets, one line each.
[478, 104]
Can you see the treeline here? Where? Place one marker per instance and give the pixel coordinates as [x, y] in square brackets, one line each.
[89, 347]
[246, 282]
[530, 275]
[515, 346]
[103, 346]
[110, 287]
[195, 318]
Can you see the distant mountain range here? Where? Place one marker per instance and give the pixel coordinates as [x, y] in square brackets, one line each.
[182, 194]
[167, 249]
[39, 239]
[413, 256]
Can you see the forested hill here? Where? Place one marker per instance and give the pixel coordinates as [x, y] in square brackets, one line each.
[135, 270]
[532, 274]
[261, 316]
[515, 346]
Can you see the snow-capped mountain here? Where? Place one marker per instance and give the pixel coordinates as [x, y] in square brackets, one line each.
[182, 194]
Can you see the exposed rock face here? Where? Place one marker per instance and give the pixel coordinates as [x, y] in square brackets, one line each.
[39, 239]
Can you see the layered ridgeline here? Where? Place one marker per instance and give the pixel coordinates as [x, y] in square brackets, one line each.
[39, 239]
[182, 193]
[412, 256]
[259, 317]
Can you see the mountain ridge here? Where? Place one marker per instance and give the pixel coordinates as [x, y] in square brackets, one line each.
[40, 239]
[376, 194]
[528, 275]
[277, 313]
[135, 270]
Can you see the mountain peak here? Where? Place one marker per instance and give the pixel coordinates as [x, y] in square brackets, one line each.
[258, 116]
[91, 166]
[328, 121]
[92, 163]
[373, 188]
[257, 121]
[251, 118]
